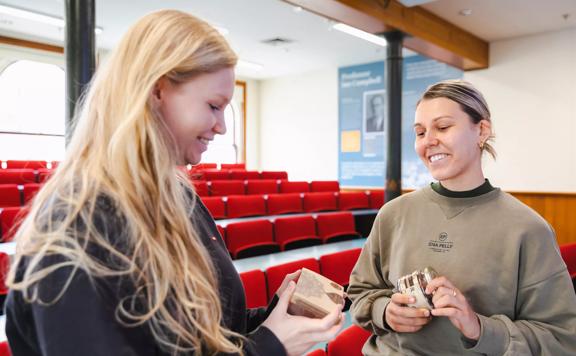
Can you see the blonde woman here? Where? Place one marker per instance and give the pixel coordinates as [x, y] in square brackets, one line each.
[118, 256]
[503, 289]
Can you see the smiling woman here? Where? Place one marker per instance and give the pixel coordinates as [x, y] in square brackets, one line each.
[494, 254]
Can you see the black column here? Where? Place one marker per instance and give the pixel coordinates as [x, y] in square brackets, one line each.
[80, 51]
[394, 114]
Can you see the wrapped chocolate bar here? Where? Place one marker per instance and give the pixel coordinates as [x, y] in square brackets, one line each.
[315, 295]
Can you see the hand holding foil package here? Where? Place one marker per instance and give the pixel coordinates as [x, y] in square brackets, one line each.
[414, 284]
[315, 295]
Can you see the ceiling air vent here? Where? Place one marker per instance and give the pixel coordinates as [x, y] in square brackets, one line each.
[277, 41]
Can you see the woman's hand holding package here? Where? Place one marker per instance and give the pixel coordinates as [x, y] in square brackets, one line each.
[450, 302]
[402, 318]
[298, 333]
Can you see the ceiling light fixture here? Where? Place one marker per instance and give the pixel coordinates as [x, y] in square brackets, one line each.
[380, 41]
[37, 17]
[250, 65]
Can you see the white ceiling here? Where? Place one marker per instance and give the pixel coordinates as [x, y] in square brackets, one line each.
[315, 45]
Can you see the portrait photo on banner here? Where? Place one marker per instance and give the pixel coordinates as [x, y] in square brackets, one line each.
[374, 112]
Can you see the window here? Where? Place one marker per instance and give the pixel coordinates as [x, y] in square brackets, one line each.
[32, 111]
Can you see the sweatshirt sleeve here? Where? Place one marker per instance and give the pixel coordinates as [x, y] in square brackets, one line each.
[545, 320]
[369, 289]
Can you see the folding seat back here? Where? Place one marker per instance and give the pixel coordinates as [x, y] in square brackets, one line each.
[5, 349]
[273, 175]
[338, 266]
[10, 220]
[215, 206]
[294, 232]
[349, 342]
[215, 174]
[324, 186]
[324, 201]
[237, 166]
[248, 205]
[227, 187]
[44, 174]
[353, 200]
[568, 252]
[9, 195]
[284, 203]
[294, 187]
[261, 186]
[336, 227]
[250, 238]
[275, 274]
[254, 283]
[17, 176]
[11, 164]
[242, 174]
[376, 199]
[4, 267]
[200, 187]
[204, 166]
[30, 190]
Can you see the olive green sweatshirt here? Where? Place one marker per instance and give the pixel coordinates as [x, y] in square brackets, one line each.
[498, 252]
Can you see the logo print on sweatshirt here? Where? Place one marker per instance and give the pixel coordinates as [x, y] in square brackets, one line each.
[441, 244]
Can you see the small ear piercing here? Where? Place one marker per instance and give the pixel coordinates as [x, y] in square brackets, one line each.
[481, 145]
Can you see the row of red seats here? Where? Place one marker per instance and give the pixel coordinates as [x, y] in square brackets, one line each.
[10, 219]
[260, 286]
[261, 237]
[235, 174]
[349, 342]
[204, 166]
[236, 206]
[13, 195]
[11, 164]
[262, 186]
[24, 175]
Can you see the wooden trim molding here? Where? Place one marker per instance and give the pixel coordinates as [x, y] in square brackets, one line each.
[30, 44]
[428, 34]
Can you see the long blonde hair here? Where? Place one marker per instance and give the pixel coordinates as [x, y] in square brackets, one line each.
[121, 150]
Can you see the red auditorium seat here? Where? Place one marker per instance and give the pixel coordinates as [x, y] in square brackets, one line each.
[5, 349]
[294, 187]
[4, 267]
[254, 288]
[317, 352]
[324, 186]
[338, 266]
[11, 164]
[215, 174]
[264, 186]
[336, 227]
[246, 205]
[251, 238]
[216, 206]
[568, 252]
[203, 166]
[10, 219]
[284, 203]
[240, 174]
[295, 232]
[349, 342]
[201, 187]
[227, 187]
[376, 199]
[324, 201]
[44, 174]
[275, 274]
[353, 200]
[9, 195]
[273, 175]
[30, 191]
[17, 176]
[233, 166]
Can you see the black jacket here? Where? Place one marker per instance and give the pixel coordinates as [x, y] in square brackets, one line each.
[82, 322]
